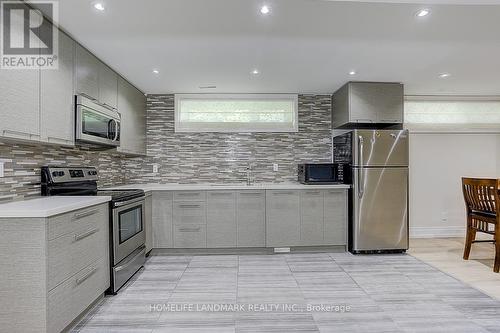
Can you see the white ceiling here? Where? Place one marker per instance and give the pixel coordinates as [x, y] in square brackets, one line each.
[305, 46]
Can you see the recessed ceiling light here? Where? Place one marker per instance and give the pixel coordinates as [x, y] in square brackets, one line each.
[444, 75]
[264, 10]
[155, 71]
[99, 6]
[352, 73]
[423, 12]
[255, 72]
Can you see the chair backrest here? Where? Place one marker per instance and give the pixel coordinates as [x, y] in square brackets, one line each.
[481, 194]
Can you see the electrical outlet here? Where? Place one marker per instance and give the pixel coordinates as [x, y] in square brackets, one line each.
[155, 168]
[275, 167]
[2, 170]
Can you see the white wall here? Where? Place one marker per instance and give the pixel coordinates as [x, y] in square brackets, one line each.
[437, 163]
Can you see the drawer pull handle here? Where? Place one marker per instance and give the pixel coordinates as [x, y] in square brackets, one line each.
[312, 192]
[79, 216]
[189, 206]
[250, 193]
[86, 234]
[222, 194]
[283, 193]
[187, 194]
[189, 229]
[86, 276]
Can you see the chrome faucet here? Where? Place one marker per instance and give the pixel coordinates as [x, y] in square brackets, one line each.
[249, 175]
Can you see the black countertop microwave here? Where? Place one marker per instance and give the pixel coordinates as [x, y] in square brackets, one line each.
[323, 173]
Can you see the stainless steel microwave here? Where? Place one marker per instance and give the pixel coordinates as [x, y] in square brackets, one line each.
[96, 123]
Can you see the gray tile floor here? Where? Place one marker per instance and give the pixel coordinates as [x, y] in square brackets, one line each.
[385, 293]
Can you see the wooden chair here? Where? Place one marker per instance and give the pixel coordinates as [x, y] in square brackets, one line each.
[482, 201]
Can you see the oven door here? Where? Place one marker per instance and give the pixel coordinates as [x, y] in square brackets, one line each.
[128, 228]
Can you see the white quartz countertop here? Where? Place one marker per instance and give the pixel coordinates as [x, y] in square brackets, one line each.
[49, 206]
[240, 186]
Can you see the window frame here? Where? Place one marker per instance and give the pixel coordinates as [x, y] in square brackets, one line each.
[178, 128]
[471, 128]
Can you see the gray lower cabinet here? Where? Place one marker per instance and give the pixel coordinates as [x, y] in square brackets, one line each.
[60, 265]
[148, 224]
[87, 73]
[251, 218]
[282, 218]
[311, 217]
[56, 97]
[162, 219]
[190, 221]
[221, 219]
[335, 217]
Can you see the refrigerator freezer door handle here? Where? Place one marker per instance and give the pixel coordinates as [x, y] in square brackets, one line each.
[361, 177]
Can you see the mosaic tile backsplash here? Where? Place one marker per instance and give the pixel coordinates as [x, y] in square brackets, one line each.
[23, 163]
[182, 157]
[224, 157]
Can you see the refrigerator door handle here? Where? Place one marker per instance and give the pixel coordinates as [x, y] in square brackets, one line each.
[361, 178]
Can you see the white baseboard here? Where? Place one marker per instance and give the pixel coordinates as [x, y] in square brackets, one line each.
[436, 232]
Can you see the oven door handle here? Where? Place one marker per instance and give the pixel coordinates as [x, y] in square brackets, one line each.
[139, 253]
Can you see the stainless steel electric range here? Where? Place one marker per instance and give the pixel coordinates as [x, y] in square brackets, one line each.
[126, 220]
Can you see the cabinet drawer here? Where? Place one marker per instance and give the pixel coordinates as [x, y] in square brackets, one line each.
[72, 252]
[190, 236]
[77, 220]
[69, 299]
[193, 212]
[189, 196]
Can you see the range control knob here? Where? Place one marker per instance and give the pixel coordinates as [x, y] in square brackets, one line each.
[60, 173]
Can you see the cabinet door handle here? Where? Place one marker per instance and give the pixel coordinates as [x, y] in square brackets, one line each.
[189, 229]
[251, 193]
[389, 120]
[189, 206]
[283, 193]
[313, 192]
[79, 216]
[364, 121]
[16, 134]
[86, 276]
[221, 194]
[188, 194]
[86, 234]
[53, 139]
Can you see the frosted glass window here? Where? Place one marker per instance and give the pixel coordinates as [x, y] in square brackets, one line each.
[236, 113]
[452, 114]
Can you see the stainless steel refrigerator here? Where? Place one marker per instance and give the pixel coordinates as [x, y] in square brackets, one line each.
[378, 207]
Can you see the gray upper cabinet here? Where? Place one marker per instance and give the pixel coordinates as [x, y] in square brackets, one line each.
[87, 73]
[108, 86]
[251, 218]
[311, 217]
[56, 98]
[19, 101]
[282, 218]
[367, 103]
[221, 219]
[132, 108]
